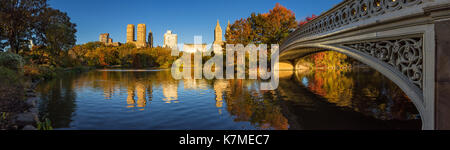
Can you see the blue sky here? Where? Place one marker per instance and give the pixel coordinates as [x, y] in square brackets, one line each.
[187, 18]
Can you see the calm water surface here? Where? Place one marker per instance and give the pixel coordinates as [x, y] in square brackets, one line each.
[151, 99]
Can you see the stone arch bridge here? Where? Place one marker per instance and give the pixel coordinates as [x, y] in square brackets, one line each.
[406, 40]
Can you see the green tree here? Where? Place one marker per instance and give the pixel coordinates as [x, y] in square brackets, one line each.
[55, 31]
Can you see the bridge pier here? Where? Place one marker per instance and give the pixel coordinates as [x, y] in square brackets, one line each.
[286, 66]
[442, 80]
[294, 64]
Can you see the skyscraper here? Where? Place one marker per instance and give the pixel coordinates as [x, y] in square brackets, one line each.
[141, 39]
[130, 33]
[218, 34]
[150, 39]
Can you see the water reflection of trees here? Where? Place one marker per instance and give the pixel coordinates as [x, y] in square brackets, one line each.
[58, 101]
[247, 103]
[366, 91]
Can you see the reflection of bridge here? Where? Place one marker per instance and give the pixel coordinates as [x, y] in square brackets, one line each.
[406, 40]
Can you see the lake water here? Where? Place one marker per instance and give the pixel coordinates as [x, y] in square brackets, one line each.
[153, 100]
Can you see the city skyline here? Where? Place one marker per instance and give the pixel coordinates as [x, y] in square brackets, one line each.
[187, 19]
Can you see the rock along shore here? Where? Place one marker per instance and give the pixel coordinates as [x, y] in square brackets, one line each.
[28, 119]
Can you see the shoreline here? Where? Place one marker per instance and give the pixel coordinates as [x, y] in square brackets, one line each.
[28, 118]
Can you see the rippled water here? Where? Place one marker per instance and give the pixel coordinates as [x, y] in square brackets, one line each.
[151, 99]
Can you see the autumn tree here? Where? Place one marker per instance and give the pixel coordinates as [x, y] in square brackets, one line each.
[240, 32]
[279, 22]
[17, 21]
[269, 28]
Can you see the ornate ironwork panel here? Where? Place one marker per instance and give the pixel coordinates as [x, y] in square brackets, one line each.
[405, 55]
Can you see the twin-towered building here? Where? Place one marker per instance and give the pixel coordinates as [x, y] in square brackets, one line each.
[141, 35]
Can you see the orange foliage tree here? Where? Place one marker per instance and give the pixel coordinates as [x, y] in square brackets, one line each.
[268, 28]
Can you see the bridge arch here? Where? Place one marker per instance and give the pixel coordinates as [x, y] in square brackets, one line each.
[412, 90]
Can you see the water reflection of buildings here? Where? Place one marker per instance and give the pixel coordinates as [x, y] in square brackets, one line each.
[141, 90]
[138, 87]
[109, 87]
[130, 97]
[220, 86]
[192, 84]
[108, 92]
[134, 88]
[170, 92]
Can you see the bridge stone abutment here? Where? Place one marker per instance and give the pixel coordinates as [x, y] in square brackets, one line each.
[442, 104]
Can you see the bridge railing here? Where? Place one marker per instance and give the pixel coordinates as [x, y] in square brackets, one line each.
[347, 13]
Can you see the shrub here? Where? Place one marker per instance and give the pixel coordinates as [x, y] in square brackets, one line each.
[11, 61]
[47, 72]
[31, 71]
[8, 76]
[11, 92]
[38, 72]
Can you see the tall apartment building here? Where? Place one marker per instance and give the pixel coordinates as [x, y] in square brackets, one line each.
[170, 40]
[130, 33]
